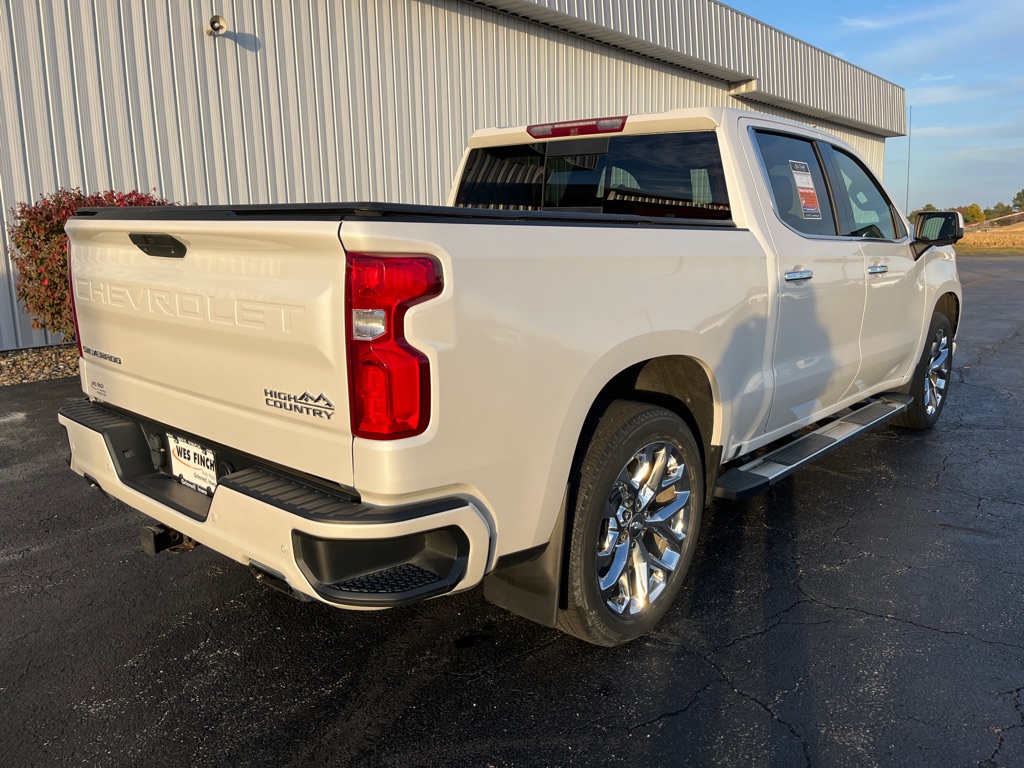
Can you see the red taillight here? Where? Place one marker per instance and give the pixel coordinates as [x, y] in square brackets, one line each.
[71, 298]
[577, 127]
[388, 380]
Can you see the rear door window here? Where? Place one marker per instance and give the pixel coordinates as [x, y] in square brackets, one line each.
[674, 175]
[795, 177]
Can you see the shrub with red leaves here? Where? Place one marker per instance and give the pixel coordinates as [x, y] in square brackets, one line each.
[40, 251]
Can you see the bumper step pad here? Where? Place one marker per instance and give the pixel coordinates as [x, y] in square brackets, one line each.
[401, 578]
[761, 473]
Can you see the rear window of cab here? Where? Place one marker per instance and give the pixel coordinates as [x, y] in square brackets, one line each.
[672, 175]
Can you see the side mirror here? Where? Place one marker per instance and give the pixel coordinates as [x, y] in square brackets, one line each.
[937, 228]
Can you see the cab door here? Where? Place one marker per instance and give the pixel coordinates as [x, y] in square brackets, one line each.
[895, 296]
[821, 282]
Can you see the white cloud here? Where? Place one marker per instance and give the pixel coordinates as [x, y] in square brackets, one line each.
[974, 131]
[860, 23]
[944, 131]
[928, 77]
[951, 94]
[987, 42]
[893, 20]
[941, 94]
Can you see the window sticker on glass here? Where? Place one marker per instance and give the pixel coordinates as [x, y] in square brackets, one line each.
[805, 188]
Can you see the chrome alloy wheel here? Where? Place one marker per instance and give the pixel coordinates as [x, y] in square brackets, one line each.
[937, 376]
[646, 520]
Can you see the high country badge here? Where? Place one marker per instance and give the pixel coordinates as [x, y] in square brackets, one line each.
[319, 407]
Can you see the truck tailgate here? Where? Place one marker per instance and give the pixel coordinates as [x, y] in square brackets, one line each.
[240, 341]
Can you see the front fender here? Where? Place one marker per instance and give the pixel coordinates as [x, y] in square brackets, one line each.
[941, 277]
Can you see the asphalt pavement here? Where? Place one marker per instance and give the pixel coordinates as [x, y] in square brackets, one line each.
[868, 611]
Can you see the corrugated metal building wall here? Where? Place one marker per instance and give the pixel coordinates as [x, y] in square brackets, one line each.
[366, 99]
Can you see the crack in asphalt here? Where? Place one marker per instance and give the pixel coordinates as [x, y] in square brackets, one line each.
[906, 567]
[1001, 731]
[1000, 740]
[777, 620]
[900, 620]
[952, 489]
[863, 553]
[990, 350]
[804, 746]
[993, 389]
[941, 470]
[468, 677]
[849, 519]
[975, 498]
[673, 713]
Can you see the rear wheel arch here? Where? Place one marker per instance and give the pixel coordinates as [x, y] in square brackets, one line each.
[679, 383]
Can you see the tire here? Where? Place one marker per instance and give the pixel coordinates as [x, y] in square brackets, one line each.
[932, 377]
[620, 527]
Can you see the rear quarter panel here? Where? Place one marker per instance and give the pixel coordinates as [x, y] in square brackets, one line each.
[532, 323]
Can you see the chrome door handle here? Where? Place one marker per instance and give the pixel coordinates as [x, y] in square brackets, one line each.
[800, 274]
[878, 269]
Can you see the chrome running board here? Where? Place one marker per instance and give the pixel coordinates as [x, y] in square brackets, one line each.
[761, 473]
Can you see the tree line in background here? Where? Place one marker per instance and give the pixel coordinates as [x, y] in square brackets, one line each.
[974, 213]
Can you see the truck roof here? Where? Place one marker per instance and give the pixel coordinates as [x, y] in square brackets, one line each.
[683, 119]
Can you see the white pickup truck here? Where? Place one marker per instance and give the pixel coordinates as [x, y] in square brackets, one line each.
[538, 387]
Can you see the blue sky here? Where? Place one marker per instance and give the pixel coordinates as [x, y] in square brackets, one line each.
[962, 64]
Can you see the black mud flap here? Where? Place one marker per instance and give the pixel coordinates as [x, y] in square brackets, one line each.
[527, 583]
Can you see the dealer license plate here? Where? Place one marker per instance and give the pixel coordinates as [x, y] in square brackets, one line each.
[193, 465]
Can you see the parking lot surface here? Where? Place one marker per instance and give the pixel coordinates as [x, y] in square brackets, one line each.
[867, 611]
